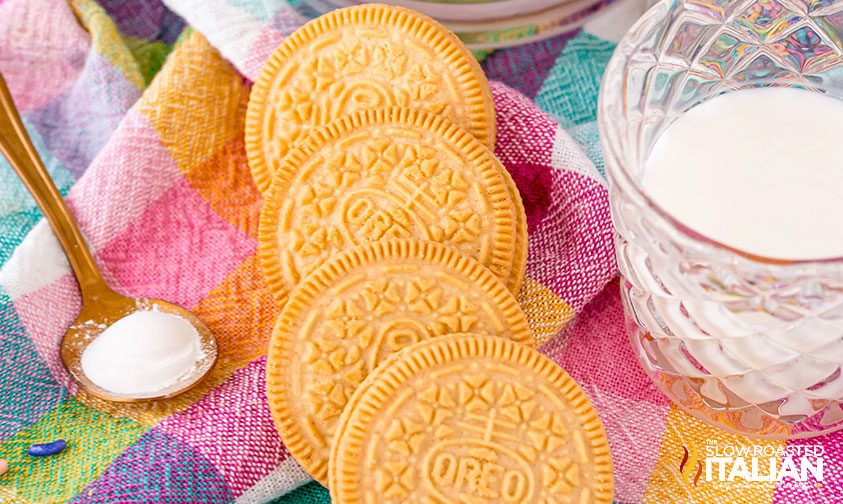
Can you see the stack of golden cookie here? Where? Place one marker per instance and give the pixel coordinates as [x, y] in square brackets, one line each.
[401, 368]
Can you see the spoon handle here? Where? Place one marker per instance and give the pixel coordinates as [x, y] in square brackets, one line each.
[16, 145]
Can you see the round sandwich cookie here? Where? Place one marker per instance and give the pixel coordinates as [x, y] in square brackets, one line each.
[356, 310]
[470, 418]
[388, 173]
[358, 58]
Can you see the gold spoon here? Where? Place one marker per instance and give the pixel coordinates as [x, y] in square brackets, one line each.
[101, 306]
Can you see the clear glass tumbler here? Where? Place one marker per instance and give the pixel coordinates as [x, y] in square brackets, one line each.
[750, 344]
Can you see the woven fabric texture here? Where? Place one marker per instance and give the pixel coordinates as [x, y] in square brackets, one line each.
[137, 108]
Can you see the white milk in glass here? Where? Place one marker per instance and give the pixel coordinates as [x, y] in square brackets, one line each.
[731, 171]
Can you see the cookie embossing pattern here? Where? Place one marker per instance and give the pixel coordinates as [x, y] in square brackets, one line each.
[390, 173]
[466, 418]
[467, 435]
[357, 310]
[362, 58]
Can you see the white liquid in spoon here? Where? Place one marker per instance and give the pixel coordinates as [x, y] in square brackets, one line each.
[760, 170]
[143, 353]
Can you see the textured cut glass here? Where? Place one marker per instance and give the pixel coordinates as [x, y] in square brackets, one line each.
[745, 343]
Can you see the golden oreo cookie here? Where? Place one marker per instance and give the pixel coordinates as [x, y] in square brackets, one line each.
[387, 173]
[468, 418]
[356, 310]
[362, 57]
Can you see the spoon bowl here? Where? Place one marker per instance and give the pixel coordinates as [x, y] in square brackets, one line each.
[101, 306]
[108, 308]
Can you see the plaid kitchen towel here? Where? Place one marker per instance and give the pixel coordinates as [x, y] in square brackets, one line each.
[137, 108]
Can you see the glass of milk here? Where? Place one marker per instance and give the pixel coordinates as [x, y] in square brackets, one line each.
[722, 128]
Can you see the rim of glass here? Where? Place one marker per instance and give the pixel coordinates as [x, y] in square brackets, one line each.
[618, 169]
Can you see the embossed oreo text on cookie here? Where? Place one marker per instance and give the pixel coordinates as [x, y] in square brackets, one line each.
[470, 418]
[383, 174]
[483, 469]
